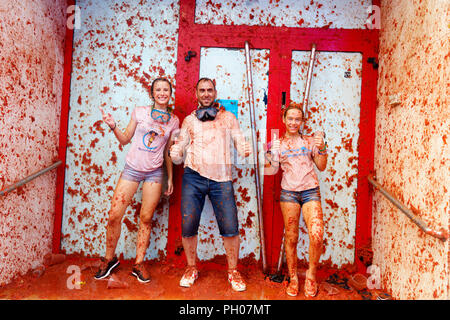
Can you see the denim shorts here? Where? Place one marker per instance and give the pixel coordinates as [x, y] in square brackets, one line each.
[130, 174]
[193, 192]
[300, 197]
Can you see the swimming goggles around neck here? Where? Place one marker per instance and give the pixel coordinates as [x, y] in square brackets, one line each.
[207, 113]
[160, 116]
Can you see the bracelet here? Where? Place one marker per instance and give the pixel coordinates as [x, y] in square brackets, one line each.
[323, 152]
[112, 129]
[324, 148]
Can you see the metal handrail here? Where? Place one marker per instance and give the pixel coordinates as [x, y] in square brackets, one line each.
[442, 234]
[29, 178]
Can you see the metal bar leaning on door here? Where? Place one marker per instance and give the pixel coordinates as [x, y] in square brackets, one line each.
[255, 154]
[308, 81]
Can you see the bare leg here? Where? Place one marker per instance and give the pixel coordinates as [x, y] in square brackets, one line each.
[123, 195]
[291, 217]
[312, 213]
[231, 245]
[190, 249]
[151, 193]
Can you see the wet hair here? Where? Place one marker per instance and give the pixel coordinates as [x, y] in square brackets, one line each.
[206, 79]
[293, 106]
[159, 79]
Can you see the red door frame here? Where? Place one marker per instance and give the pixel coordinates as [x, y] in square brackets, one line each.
[281, 41]
[63, 130]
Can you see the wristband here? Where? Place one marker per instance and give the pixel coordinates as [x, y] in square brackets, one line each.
[323, 151]
[112, 129]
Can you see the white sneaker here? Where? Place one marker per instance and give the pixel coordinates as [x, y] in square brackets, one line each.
[236, 280]
[189, 277]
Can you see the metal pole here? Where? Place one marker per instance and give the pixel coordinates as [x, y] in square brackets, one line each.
[441, 234]
[308, 81]
[255, 154]
[29, 178]
[280, 257]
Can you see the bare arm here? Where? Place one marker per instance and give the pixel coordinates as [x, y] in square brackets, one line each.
[272, 159]
[124, 137]
[321, 161]
[169, 167]
[242, 146]
[180, 139]
[320, 158]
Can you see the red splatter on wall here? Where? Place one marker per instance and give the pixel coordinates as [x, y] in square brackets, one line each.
[31, 70]
[411, 153]
[116, 57]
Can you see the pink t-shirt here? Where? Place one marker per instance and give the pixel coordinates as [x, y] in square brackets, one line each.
[150, 137]
[296, 158]
[208, 145]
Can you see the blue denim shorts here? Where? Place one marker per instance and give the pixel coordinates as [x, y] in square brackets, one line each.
[194, 189]
[130, 174]
[300, 197]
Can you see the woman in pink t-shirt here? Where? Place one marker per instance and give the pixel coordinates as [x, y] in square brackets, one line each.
[298, 155]
[149, 132]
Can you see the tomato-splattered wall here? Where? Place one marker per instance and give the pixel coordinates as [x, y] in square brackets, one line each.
[119, 48]
[412, 152]
[32, 37]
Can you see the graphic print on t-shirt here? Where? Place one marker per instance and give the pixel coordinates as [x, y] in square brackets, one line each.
[297, 152]
[149, 139]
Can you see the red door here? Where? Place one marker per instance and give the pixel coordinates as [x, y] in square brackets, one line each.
[282, 43]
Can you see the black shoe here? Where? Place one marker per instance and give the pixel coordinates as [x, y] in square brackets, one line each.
[140, 273]
[106, 268]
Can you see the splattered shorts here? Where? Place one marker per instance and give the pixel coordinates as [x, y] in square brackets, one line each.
[194, 189]
[300, 197]
[130, 174]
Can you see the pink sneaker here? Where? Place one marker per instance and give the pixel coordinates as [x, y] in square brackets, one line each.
[189, 277]
[236, 280]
